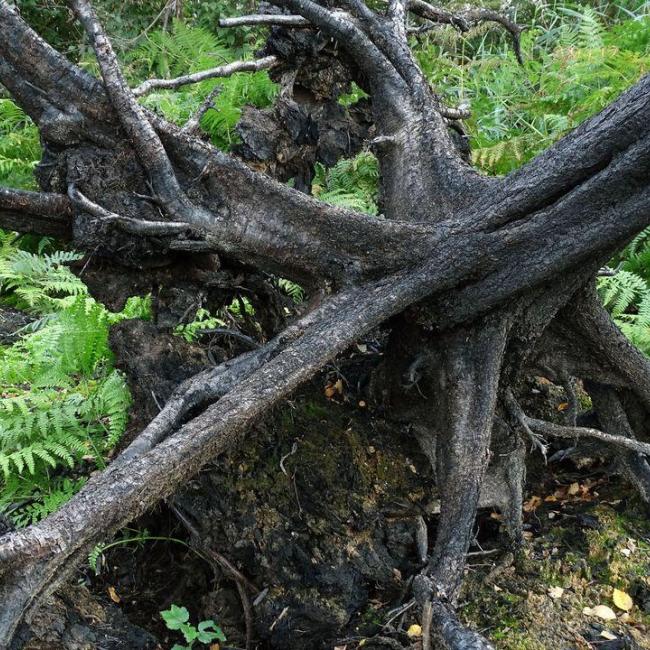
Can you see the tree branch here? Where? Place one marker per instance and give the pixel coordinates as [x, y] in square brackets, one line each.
[222, 71]
[36, 212]
[466, 19]
[559, 431]
[128, 224]
[134, 120]
[284, 20]
[572, 161]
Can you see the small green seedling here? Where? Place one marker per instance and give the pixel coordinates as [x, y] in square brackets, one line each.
[177, 618]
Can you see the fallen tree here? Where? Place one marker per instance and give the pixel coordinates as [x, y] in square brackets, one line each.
[483, 280]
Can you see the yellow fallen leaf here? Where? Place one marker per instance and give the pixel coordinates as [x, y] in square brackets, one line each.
[622, 600]
[414, 631]
[574, 488]
[114, 595]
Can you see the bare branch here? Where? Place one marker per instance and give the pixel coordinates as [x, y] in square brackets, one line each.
[559, 431]
[264, 19]
[128, 224]
[192, 125]
[196, 77]
[464, 20]
[437, 15]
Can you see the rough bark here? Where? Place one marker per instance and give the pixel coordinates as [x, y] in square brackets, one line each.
[479, 279]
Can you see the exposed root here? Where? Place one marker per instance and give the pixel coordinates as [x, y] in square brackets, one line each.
[613, 417]
[128, 224]
[218, 559]
[551, 429]
[517, 413]
[468, 378]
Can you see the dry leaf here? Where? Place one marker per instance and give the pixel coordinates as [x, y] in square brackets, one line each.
[215, 646]
[563, 406]
[339, 386]
[606, 634]
[114, 596]
[555, 592]
[532, 504]
[600, 611]
[574, 488]
[622, 600]
[414, 631]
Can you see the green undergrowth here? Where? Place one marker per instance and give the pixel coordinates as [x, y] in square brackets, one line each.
[576, 61]
[63, 407]
[185, 50]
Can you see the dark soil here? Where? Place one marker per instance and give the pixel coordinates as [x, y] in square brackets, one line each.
[319, 510]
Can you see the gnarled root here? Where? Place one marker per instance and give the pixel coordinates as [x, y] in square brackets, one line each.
[468, 379]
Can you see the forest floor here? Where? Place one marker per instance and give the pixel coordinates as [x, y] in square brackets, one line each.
[318, 507]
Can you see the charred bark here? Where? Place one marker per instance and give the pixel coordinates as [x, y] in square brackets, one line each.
[480, 280]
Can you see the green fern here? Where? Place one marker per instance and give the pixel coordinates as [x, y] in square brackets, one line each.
[43, 503]
[38, 283]
[351, 183]
[20, 148]
[62, 407]
[293, 290]
[575, 64]
[191, 49]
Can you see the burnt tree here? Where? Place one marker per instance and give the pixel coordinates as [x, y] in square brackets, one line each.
[484, 280]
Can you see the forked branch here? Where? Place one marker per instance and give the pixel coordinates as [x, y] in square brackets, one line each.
[465, 19]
